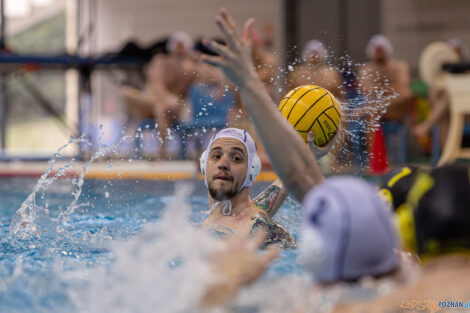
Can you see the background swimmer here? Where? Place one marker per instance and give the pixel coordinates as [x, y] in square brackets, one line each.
[169, 77]
[382, 77]
[315, 70]
[431, 206]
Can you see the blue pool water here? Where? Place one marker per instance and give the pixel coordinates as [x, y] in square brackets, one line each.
[96, 253]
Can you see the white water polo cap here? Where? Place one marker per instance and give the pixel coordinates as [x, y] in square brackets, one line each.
[347, 223]
[254, 163]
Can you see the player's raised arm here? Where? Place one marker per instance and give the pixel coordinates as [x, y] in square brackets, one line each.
[271, 198]
[292, 160]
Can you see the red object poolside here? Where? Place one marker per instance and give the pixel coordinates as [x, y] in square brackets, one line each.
[378, 159]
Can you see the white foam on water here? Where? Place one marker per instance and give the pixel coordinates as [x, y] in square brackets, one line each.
[162, 269]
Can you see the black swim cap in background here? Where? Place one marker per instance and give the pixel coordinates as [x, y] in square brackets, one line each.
[442, 215]
[397, 183]
[432, 207]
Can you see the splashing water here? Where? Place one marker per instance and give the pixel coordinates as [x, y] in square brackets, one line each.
[160, 270]
[362, 110]
[161, 267]
[55, 266]
[72, 259]
[30, 216]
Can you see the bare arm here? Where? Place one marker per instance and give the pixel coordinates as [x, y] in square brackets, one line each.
[439, 99]
[156, 78]
[271, 198]
[404, 77]
[292, 160]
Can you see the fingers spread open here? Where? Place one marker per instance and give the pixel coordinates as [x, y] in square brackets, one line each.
[227, 27]
[217, 48]
[213, 60]
[230, 21]
[247, 30]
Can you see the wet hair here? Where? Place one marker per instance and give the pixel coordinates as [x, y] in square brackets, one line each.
[398, 182]
[442, 216]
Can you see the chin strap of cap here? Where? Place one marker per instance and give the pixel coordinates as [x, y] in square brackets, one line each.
[226, 207]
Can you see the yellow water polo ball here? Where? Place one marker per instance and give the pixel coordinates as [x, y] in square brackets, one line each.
[312, 108]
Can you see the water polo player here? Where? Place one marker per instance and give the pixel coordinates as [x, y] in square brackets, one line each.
[351, 229]
[292, 160]
[347, 234]
[433, 216]
[230, 164]
[431, 206]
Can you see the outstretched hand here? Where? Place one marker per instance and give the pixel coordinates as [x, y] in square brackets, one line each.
[291, 158]
[318, 151]
[237, 264]
[234, 58]
[240, 260]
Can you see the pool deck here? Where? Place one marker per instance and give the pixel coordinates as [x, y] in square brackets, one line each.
[165, 170]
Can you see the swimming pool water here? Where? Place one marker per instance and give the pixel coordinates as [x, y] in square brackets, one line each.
[61, 254]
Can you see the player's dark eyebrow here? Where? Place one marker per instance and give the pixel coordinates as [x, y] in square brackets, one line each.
[216, 148]
[239, 149]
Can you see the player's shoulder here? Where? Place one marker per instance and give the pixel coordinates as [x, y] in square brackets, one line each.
[160, 59]
[367, 67]
[300, 68]
[399, 64]
[331, 72]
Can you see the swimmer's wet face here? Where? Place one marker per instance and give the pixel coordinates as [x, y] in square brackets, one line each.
[226, 168]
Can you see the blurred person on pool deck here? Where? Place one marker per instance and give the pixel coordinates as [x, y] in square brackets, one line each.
[230, 164]
[385, 77]
[344, 217]
[314, 70]
[169, 77]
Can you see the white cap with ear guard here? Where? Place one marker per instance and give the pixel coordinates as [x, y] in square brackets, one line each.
[378, 40]
[314, 47]
[254, 163]
[348, 225]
